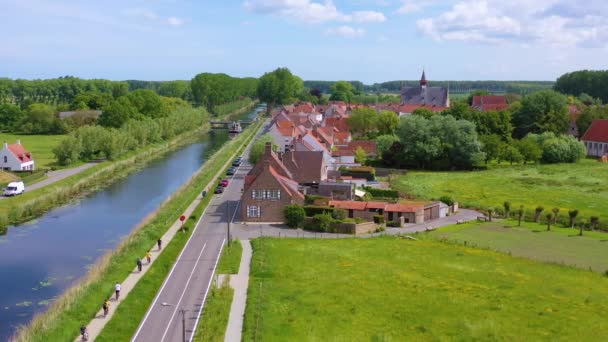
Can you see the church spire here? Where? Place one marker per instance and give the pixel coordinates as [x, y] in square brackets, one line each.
[423, 79]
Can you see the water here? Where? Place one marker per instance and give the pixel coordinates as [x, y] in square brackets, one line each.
[42, 258]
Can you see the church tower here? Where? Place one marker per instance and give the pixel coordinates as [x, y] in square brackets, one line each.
[423, 80]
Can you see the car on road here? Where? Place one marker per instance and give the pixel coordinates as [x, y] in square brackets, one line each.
[231, 171]
[219, 189]
[224, 183]
[14, 188]
[236, 163]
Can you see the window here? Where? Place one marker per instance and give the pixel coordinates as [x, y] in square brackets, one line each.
[5, 159]
[258, 194]
[253, 211]
[273, 195]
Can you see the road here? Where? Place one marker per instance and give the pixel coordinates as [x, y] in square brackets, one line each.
[188, 283]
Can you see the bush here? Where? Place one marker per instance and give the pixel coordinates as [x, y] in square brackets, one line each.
[449, 200]
[310, 199]
[379, 219]
[381, 193]
[313, 210]
[338, 214]
[393, 224]
[294, 215]
[319, 223]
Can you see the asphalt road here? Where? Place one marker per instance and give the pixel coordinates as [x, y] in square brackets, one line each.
[187, 285]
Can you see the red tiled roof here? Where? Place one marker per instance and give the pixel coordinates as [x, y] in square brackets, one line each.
[597, 132]
[574, 113]
[340, 123]
[375, 205]
[20, 153]
[403, 208]
[369, 146]
[480, 100]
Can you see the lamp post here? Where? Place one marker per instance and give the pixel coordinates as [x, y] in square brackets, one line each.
[183, 312]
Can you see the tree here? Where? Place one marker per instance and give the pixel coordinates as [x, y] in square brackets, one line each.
[41, 118]
[543, 111]
[117, 113]
[342, 91]
[593, 222]
[447, 200]
[520, 215]
[258, 148]
[362, 120]
[294, 215]
[278, 87]
[339, 214]
[424, 112]
[549, 217]
[555, 213]
[384, 143]
[538, 211]
[68, 150]
[592, 82]
[387, 122]
[581, 225]
[507, 206]
[511, 154]
[492, 146]
[490, 212]
[360, 155]
[529, 149]
[572, 214]
[10, 116]
[147, 102]
[558, 148]
[588, 114]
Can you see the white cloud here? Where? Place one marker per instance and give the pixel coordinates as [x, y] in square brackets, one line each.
[368, 17]
[557, 23]
[346, 32]
[411, 6]
[174, 21]
[311, 12]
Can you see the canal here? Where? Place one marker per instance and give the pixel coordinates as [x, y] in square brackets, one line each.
[42, 258]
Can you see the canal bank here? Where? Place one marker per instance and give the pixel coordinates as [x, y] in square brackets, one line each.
[43, 258]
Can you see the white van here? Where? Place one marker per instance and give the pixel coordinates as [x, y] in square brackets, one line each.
[14, 188]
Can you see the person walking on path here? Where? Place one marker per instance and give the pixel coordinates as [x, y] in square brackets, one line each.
[139, 263]
[106, 307]
[159, 243]
[149, 257]
[84, 333]
[117, 290]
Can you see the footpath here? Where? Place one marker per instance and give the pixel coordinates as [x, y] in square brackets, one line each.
[239, 282]
[97, 324]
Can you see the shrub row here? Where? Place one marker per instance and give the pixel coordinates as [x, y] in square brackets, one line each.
[381, 193]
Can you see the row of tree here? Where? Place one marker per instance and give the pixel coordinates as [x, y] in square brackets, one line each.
[211, 90]
[92, 142]
[593, 83]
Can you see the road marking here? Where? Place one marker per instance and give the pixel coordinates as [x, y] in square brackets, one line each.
[143, 321]
[183, 293]
[200, 310]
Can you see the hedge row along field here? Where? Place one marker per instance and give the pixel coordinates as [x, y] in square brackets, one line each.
[79, 304]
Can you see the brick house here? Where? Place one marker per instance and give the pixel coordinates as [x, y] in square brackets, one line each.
[411, 212]
[596, 138]
[269, 187]
[306, 166]
[484, 103]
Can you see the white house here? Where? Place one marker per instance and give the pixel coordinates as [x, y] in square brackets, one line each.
[15, 157]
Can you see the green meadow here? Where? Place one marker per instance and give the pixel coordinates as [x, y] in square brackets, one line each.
[392, 289]
[532, 240]
[582, 186]
[40, 146]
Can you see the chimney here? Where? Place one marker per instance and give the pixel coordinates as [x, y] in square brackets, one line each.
[18, 142]
[268, 148]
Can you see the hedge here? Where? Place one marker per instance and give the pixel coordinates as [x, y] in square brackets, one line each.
[313, 210]
[382, 193]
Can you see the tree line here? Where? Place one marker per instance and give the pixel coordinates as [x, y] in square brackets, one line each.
[211, 90]
[593, 83]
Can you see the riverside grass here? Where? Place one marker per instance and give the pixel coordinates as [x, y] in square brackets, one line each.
[582, 186]
[127, 317]
[532, 240]
[79, 304]
[214, 321]
[392, 289]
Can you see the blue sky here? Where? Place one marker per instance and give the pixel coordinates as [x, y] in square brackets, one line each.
[367, 40]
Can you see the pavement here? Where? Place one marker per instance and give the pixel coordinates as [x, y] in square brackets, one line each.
[55, 176]
[239, 282]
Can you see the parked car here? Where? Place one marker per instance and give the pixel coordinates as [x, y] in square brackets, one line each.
[219, 189]
[224, 183]
[231, 171]
[236, 163]
[14, 188]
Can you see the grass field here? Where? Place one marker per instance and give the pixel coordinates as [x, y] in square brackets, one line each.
[531, 240]
[582, 186]
[231, 258]
[6, 177]
[40, 146]
[212, 326]
[391, 289]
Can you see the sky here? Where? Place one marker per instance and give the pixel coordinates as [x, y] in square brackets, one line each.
[366, 40]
